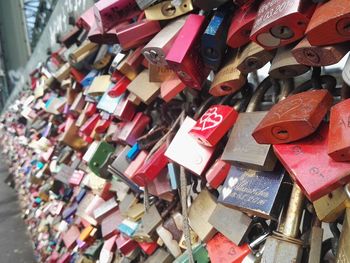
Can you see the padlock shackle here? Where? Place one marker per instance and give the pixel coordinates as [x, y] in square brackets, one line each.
[259, 94]
[294, 212]
[329, 81]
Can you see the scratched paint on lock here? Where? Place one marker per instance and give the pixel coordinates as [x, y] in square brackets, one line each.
[311, 167]
[253, 191]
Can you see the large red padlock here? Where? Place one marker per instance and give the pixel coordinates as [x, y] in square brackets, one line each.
[294, 118]
[330, 23]
[309, 164]
[279, 22]
[339, 128]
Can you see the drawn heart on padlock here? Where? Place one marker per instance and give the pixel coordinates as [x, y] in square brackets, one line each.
[209, 120]
[226, 191]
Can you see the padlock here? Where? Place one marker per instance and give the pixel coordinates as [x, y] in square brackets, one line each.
[214, 124]
[86, 18]
[85, 50]
[255, 192]
[105, 209]
[241, 149]
[199, 213]
[70, 37]
[166, 10]
[229, 79]
[62, 73]
[134, 166]
[137, 33]
[107, 103]
[120, 87]
[184, 58]
[170, 232]
[339, 122]
[221, 249]
[170, 88]
[109, 13]
[160, 73]
[161, 186]
[253, 57]
[99, 85]
[157, 49]
[343, 254]
[103, 57]
[329, 23]
[109, 225]
[70, 237]
[133, 129]
[304, 111]
[100, 156]
[284, 65]
[160, 256]
[200, 254]
[128, 227]
[331, 206]
[194, 157]
[236, 232]
[125, 110]
[70, 136]
[316, 175]
[283, 245]
[279, 23]
[149, 91]
[208, 5]
[317, 56]
[217, 173]
[151, 167]
[241, 26]
[213, 40]
[143, 4]
[131, 65]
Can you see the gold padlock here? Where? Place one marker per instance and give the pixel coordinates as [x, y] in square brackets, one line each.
[166, 10]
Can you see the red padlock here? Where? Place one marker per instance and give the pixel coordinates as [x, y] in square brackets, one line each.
[309, 164]
[330, 23]
[242, 23]
[339, 127]
[120, 87]
[138, 33]
[184, 56]
[89, 126]
[125, 244]
[86, 19]
[151, 168]
[294, 118]
[134, 166]
[217, 173]
[125, 109]
[133, 129]
[214, 124]
[109, 13]
[281, 22]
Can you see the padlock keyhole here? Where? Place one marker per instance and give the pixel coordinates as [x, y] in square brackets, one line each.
[225, 88]
[280, 133]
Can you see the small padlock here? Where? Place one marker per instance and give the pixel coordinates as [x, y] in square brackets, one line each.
[294, 118]
[285, 66]
[170, 88]
[157, 49]
[109, 225]
[214, 124]
[149, 91]
[160, 73]
[167, 10]
[236, 232]
[317, 56]
[217, 173]
[137, 33]
[184, 57]
[241, 25]
[101, 155]
[131, 65]
[109, 13]
[316, 175]
[279, 23]
[103, 57]
[213, 45]
[86, 19]
[199, 213]
[229, 79]
[253, 57]
[70, 37]
[329, 23]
